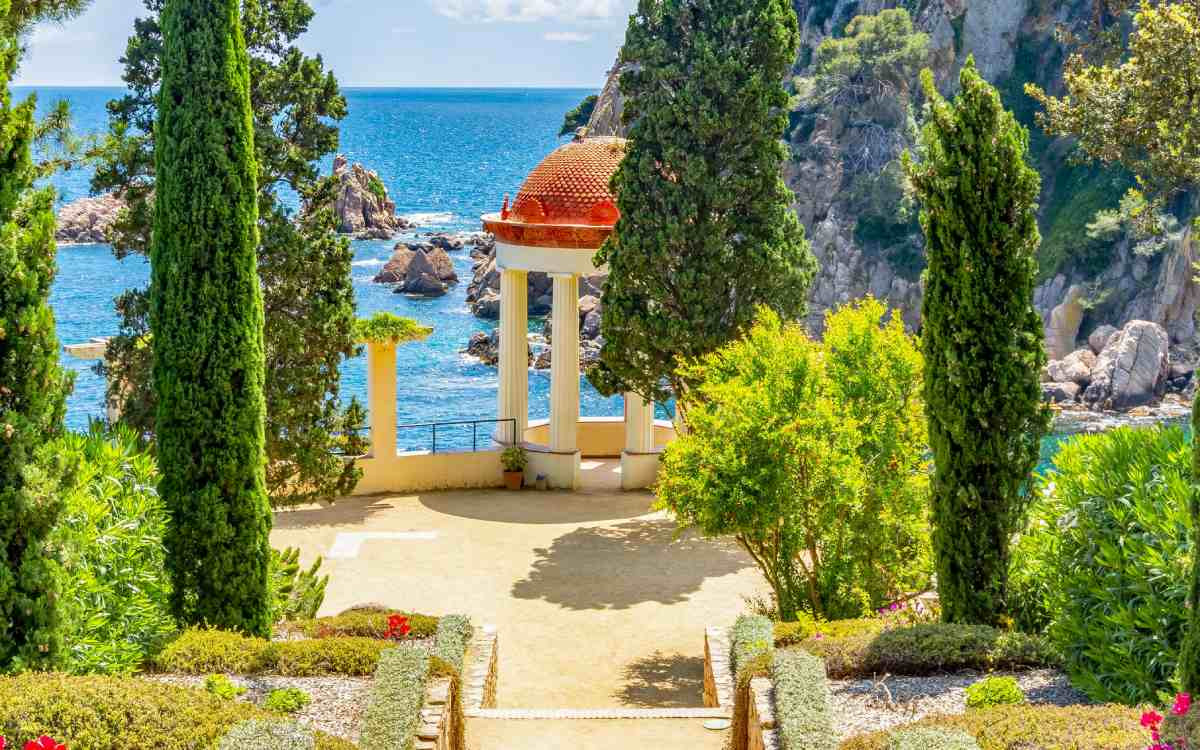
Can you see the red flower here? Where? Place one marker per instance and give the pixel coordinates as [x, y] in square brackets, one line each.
[44, 743]
[1183, 703]
[398, 627]
[1, 743]
[1151, 719]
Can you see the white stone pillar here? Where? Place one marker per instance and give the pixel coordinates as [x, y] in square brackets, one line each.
[381, 398]
[514, 355]
[564, 366]
[639, 461]
[639, 424]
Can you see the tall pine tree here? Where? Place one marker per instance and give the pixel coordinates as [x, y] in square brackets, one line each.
[206, 316]
[33, 388]
[982, 338]
[707, 234]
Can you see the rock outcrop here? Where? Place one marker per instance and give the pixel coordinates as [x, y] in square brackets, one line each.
[419, 269]
[483, 293]
[87, 220]
[1132, 369]
[363, 207]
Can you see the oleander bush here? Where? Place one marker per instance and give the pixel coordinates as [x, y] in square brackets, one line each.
[287, 700]
[1030, 727]
[932, 739]
[393, 712]
[927, 649]
[1109, 545]
[994, 691]
[114, 590]
[802, 710]
[102, 713]
[361, 624]
[208, 651]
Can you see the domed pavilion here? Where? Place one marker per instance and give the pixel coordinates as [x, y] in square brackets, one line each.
[559, 220]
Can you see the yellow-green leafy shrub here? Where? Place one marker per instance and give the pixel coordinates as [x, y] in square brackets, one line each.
[208, 651]
[286, 700]
[103, 713]
[994, 691]
[1031, 727]
[222, 687]
[362, 624]
[932, 739]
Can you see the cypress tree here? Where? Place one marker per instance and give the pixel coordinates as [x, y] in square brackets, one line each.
[33, 387]
[707, 234]
[982, 338]
[206, 316]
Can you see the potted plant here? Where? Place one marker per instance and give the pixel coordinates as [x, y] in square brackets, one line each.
[514, 460]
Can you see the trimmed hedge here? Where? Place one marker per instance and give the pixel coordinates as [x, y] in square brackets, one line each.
[102, 713]
[209, 651]
[802, 702]
[361, 624]
[795, 633]
[932, 739]
[393, 713]
[928, 649]
[257, 734]
[751, 643]
[1031, 727]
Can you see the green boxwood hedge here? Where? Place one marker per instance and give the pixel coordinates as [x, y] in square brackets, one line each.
[924, 649]
[1031, 727]
[207, 651]
[802, 710]
[393, 713]
[102, 713]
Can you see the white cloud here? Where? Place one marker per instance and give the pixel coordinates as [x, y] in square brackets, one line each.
[524, 11]
[570, 37]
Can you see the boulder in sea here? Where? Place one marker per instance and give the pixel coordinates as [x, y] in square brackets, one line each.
[486, 346]
[363, 207]
[1132, 369]
[483, 293]
[88, 220]
[417, 269]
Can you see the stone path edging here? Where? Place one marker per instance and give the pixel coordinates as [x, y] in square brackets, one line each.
[718, 669]
[598, 713]
[482, 674]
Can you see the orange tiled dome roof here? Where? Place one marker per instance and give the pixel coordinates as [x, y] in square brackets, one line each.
[570, 186]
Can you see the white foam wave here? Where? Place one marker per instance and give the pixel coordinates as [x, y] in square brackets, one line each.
[432, 217]
[373, 263]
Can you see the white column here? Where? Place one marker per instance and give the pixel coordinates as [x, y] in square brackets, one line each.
[639, 424]
[514, 355]
[564, 365]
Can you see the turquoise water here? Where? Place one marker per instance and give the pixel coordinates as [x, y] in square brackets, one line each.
[447, 156]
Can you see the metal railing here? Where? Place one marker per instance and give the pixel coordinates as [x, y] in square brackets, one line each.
[473, 423]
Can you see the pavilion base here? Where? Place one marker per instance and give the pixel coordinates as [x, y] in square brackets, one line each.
[639, 471]
[562, 470]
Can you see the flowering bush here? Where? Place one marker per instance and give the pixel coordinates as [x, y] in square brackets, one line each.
[398, 627]
[1180, 729]
[41, 743]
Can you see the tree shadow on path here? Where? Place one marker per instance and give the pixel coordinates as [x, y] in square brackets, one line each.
[619, 566]
[661, 681]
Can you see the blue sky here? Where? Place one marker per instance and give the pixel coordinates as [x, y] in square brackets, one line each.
[383, 42]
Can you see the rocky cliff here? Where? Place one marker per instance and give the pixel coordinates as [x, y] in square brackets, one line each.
[363, 207]
[854, 203]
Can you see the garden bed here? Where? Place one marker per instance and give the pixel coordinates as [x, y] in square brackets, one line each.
[869, 705]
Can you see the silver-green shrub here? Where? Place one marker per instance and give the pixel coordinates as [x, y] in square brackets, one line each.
[256, 734]
[802, 709]
[932, 739]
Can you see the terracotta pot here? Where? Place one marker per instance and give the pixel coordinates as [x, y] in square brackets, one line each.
[514, 480]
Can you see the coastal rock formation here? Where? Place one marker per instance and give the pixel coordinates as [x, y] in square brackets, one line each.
[363, 207]
[486, 346]
[848, 186]
[419, 269]
[1076, 368]
[1132, 369]
[483, 293]
[87, 220]
[590, 340]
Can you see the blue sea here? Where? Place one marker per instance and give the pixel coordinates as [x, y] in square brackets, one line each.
[447, 156]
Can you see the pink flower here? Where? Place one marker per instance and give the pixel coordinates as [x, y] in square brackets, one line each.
[816, 637]
[44, 743]
[1183, 703]
[1151, 720]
